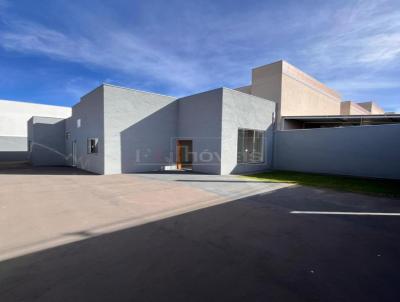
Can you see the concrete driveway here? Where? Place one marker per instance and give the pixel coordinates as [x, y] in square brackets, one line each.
[55, 206]
[70, 236]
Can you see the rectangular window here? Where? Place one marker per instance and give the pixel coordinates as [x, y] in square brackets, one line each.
[250, 146]
[67, 135]
[92, 145]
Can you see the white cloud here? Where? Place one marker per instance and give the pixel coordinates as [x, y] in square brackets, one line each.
[209, 50]
[365, 34]
[117, 50]
[201, 48]
[363, 84]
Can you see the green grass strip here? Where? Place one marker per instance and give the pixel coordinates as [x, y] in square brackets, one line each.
[377, 187]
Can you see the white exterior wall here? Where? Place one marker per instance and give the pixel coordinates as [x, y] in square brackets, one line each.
[138, 127]
[200, 121]
[14, 116]
[13, 143]
[245, 111]
[90, 112]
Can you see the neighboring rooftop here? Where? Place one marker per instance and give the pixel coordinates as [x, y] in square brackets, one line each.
[294, 72]
[14, 115]
[305, 122]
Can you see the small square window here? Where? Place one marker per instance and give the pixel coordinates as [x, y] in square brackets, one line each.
[92, 145]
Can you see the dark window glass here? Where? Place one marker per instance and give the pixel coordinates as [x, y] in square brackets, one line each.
[250, 146]
[92, 145]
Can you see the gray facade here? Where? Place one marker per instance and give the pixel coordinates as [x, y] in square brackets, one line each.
[135, 131]
[367, 151]
[200, 120]
[138, 129]
[87, 121]
[46, 137]
[245, 111]
[116, 130]
[212, 119]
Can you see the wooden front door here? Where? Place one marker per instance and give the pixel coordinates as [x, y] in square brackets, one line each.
[184, 156]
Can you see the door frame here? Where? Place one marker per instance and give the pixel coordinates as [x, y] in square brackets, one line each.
[180, 144]
[74, 157]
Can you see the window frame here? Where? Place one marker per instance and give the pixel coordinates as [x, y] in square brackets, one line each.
[241, 146]
[95, 149]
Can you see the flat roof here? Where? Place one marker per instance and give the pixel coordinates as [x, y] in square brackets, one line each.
[345, 118]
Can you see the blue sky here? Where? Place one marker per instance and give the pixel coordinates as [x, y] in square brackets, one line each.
[54, 51]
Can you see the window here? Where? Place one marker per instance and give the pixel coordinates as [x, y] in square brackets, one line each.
[78, 123]
[67, 135]
[92, 145]
[29, 146]
[250, 146]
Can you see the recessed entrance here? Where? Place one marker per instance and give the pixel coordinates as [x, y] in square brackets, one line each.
[74, 157]
[184, 157]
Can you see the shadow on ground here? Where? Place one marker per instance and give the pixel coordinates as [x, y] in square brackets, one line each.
[24, 168]
[250, 249]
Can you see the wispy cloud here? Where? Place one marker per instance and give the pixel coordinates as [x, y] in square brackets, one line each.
[77, 87]
[207, 51]
[188, 46]
[358, 84]
[117, 50]
[365, 34]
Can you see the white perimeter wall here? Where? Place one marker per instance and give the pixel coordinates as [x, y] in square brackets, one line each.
[14, 116]
[367, 151]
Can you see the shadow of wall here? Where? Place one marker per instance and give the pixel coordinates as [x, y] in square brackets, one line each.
[149, 145]
[14, 156]
[47, 139]
[208, 253]
[13, 148]
[200, 120]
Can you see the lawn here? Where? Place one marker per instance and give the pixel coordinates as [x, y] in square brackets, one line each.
[380, 187]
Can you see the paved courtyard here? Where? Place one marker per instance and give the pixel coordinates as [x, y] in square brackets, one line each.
[67, 235]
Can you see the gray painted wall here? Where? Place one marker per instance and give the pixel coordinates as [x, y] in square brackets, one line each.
[46, 136]
[367, 151]
[241, 110]
[200, 117]
[138, 129]
[13, 148]
[90, 112]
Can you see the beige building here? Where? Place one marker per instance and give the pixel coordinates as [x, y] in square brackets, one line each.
[351, 108]
[372, 107]
[298, 94]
